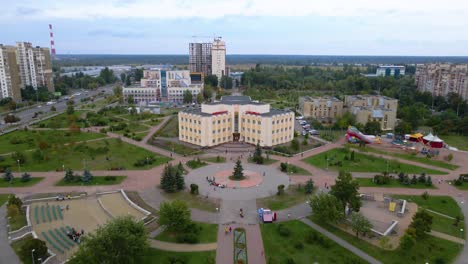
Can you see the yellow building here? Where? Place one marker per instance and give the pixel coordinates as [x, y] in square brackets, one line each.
[326, 107]
[236, 118]
[375, 108]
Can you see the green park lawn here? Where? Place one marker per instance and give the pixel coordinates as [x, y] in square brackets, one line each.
[175, 147]
[25, 257]
[394, 183]
[62, 120]
[291, 197]
[193, 201]
[411, 157]
[18, 183]
[152, 122]
[296, 170]
[195, 164]
[132, 127]
[446, 225]
[462, 187]
[460, 142]
[266, 161]
[159, 256]
[21, 140]
[331, 135]
[218, 159]
[208, 234]
[18, 221]
[279, 248]
[97, 180]
[441, 250]
[363, 163]
[169, 129]
[3, 198]
[441, 204]
[97, 155]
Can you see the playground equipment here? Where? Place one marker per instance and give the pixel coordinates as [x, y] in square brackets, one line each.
[392, 206]
[353, 133]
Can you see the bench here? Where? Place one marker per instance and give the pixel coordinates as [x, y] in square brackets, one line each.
[57, 207]
[36, 214]
[52, 243]
[403, 208]
[43, 214]
[64, 238]
[65, 231]
[60, 242]
[54, 213]
[48, 213]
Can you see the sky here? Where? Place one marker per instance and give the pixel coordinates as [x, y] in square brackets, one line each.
[302, 27]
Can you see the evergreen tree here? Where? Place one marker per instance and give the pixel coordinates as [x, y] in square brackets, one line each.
[168, 181]
[414, 180]
[179, 179]
[180, 167]
[309, 187]
[238, 171]
[8, 176]
[429, 181]
[25, 177]
[68, 176]
[87, 176]
[257, 156]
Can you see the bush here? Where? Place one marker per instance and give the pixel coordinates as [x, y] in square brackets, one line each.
[284, 231]
[194, 189]
[280, 189]
[190, 238]
[284, 166]
[38, 245]
[110, 178]
[298, 245]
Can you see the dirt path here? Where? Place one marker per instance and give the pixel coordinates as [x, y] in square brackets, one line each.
[166, 246]
[447, 237]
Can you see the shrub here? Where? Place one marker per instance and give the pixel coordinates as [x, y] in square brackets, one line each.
[190, 238]
[39, 246]
[280, 189]
[284, 166]
[110, 178]
[311, 237]
[194, 189]
[290, 261]
[284, 231]
[298, 245]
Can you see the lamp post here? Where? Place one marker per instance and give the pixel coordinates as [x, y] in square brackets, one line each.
[19, 167]
[63, 167]
[147, 162]
[32, 254]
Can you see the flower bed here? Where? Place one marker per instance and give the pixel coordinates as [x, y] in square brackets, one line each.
[240, 246]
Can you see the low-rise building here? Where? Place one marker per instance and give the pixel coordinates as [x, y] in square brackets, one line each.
[390, 70]
[236, 118]
[326, 107]
[376, 108]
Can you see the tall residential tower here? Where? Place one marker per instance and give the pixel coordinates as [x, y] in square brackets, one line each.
[34, 66]
[200, 58]
[218, 58]
[9, 74]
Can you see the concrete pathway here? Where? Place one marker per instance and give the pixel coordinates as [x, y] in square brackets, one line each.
[341, 242]
[166, 246]
[447, 237]
[158, 231]
[7, 254]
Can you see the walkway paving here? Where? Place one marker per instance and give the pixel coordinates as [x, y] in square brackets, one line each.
[447, 237]
[7, 254]
[341, 242]
[166, 246]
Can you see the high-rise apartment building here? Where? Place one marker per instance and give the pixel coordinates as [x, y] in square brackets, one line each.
[218, 58]
[9, 74]
[35, 66]
[200, 58]
[442, 79]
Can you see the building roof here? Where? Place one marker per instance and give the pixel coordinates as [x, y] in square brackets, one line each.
[236, 100]
[274, 112]
[196, 111]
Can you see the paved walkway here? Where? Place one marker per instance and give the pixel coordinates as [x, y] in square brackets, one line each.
[255, 251]
[341, 242]
[166, 246]
[447, 237]
[7, 255]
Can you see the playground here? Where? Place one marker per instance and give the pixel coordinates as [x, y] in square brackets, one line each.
[61, 223]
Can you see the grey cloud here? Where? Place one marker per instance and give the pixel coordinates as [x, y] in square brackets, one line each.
[116, 34]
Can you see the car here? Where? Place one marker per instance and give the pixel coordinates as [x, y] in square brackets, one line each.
[50, 103]
[304, 133]
[313, 132]
[299, 117]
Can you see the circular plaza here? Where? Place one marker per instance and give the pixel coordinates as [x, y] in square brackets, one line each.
[260, 181]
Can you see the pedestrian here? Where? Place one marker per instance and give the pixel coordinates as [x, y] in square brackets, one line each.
[230, 229]
[289, 215]
[67, 207]
[302, 154]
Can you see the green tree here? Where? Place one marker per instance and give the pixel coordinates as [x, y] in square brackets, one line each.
[14, 200]
[372, 128]
[280, 189]
[295, 144]
[257, 156]
[168, 179]
[87, 176]
[200, 98]
[211, 80]
[25, 177]
[403, 128]
[123, 77]
[360, 224]
[187, 97]
[226, 82]
[130, 100]
[422, 222]
[326, 208]
[69, 176]
[39, 247]
[128, 81]
[346, 189]
[18, 156]
[7, 175]
[207, 92]
[309, 186]
[122, 240]
[194, 189]
[238, 173]
[70, 109]
[179, 179]
[174, 215]
[407, 242]
[118, 90]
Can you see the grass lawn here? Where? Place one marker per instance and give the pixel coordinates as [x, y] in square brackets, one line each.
[439, 249]
[26, 258]
[159, 256]
[195, 164]
[281, 248]
[441, 204]
[412, 157]
[18, 183]
[104, 154]
[97, 180]
[208, 234]
[3, 198]
[170, 128]
[331, 135]
[459, 142]
[394, 183]
[132, 127]
[21, 140]
[175, 147]
[285, 149]
[296, 170]
[193, 201]
[217, 159]
[445, 225]
[265, 161]
[362, 163]
[292, 196]
[62, 120]
[152, 122]
[463, 187]
[18, 221]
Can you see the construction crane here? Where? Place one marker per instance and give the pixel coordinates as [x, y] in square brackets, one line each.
[194, 37]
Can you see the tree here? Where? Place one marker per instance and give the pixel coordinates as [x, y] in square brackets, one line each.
[211, 80]
[8, 176]
[11, 118]
[207, 92]
[346, 189]
[326, 208]
[68, 176]
[429, 181]
[360, 224]
[130, 100]
[128, 81]
[200, 98]
[179, 179]
[19, 157]
[422, 222]
[70, 109]
[123, 77]
[14, 200]
[407, 242]
[238, 173]
[295, 144]
[284, 166]
[194, 189]
[372, 128]
[280, 189]
[167, 179]
[403, 128]
[187, 97]
[257, 156]
[39, 246]
[87, 176]
[226, 82]
[174, 215]
[309, 186]
[25, 177]
[122, 240]
[118, 90]
[107, 75]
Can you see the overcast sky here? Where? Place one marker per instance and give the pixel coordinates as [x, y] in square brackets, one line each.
[311, 27]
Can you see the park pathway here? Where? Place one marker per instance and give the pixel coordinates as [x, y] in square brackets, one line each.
[7, 254]
[180, 247]
[341, 242]
[447, 237]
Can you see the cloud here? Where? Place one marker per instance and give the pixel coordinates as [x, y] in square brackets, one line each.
[23, 11]
[116, 34]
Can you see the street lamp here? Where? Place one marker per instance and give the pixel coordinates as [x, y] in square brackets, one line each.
[19, 167]
[32, 253]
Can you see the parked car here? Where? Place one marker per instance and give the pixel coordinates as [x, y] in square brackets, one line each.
[313, 132]
[299, 117]
[304, 133]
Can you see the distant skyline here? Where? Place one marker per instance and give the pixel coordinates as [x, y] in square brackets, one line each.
[296, 27]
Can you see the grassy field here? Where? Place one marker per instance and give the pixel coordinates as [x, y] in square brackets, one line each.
[133, 127]
[296, 170]
[170, 128]
[292, 196]
[446, 225]
[18, 221]
[104, 154]
[394, 183]
[331, 135]
[362, 163]
[18, 183]
[441, 204]
[152, 122]
[25, 258]
[208, 234]
[411, 157]
[195, 164]
[460, 142]
[175, 147]
[285, 149]
[97, 180]
[441, 250]
[265, 161]
[24, 140]
[3, 198]
[163, 257]
[463, 187]
[62, 120]
[193, 201]
[281, 248]
[218, 159]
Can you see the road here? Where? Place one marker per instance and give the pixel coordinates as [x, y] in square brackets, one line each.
[26, 115]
